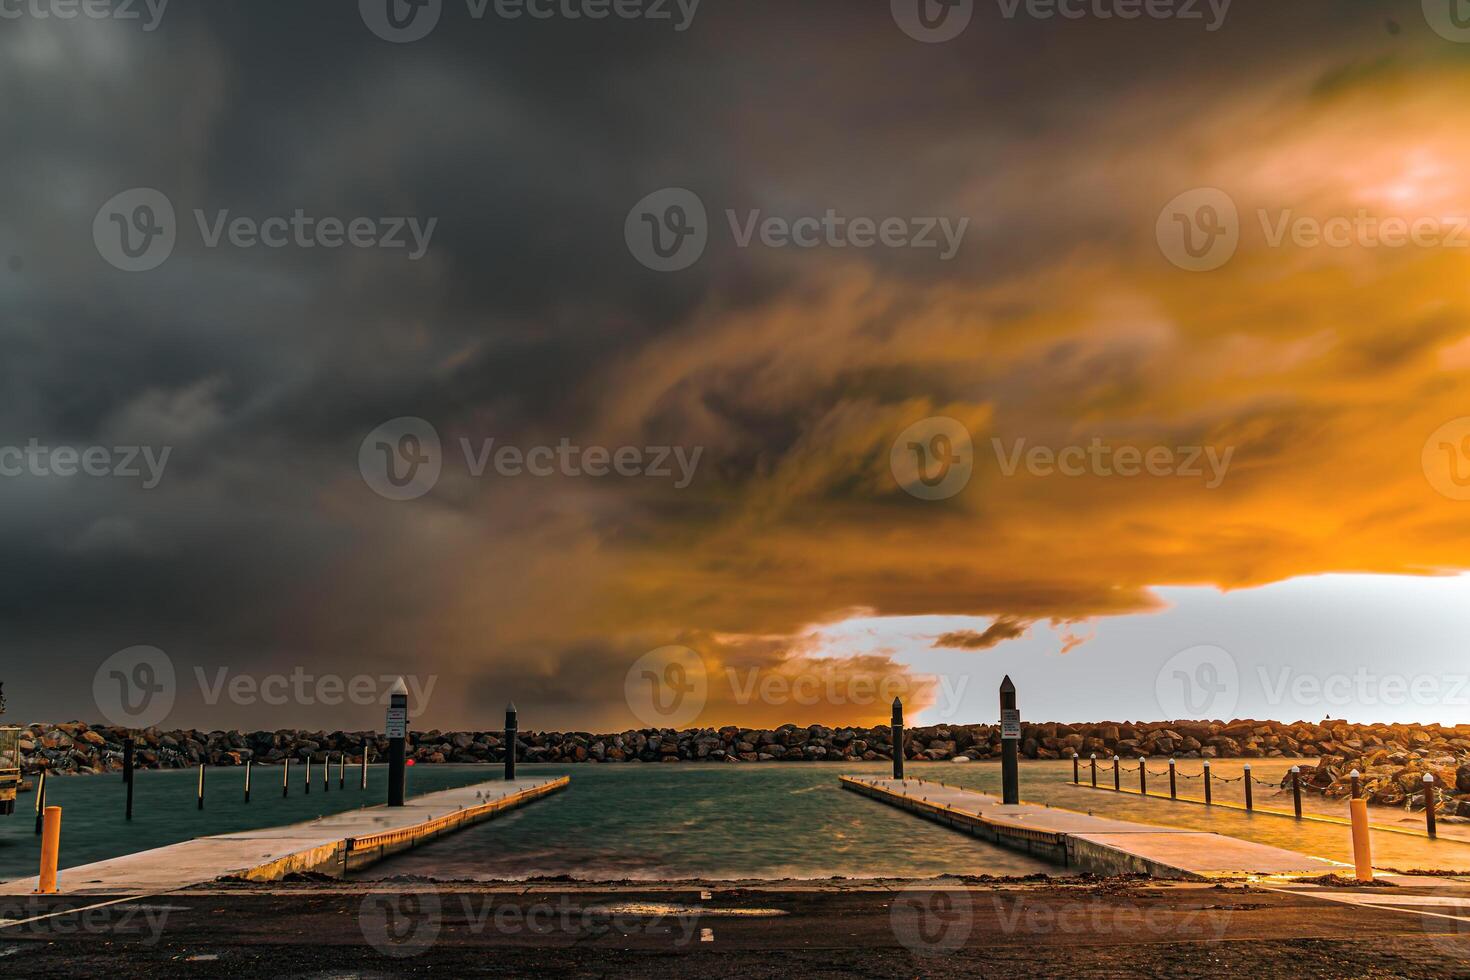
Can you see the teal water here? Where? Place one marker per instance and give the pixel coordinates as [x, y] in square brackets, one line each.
[165, 808]
[647, 822]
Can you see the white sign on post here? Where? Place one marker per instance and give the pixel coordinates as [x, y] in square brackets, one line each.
[1010, 723]
[398, 723]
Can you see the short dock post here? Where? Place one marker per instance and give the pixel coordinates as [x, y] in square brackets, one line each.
[1010, 742]
[201, 786]
[364, 765]
[40, 802]
[1117, 779]
[1207, 782]
[1249, 803]
[308, 773]
[1173, 788]
[1357, 790]
[1093, 760]
[397, 742]
[341, 770]
[248, 763]
[1143, 775]
[50, 850]
[512, 730]
[895, 735]
[286, 778]
[1296, 790]
[1429, 804]
[129, 748]
[327, 773]
[1362, 851]
[1076, 770]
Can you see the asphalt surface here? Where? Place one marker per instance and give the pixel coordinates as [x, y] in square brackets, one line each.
[1106, 928]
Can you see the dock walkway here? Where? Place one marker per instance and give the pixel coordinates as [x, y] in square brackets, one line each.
[331, 845]
[1097, 844]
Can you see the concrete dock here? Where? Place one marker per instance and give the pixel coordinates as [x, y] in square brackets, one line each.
[1096, 844]
[331, 845]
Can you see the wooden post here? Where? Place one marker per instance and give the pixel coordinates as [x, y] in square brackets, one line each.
[1357, 790]
[286, 777]
[1010, 743]
[327, 773]
[308, 773]
[129, 761]
[1296, 790]
[513, 730]
[1362, 849]
[248, 763]
[397, 742]
[1117, 783]
[341, 770]
[50, 850]
[1093, 761]
[364, 764]
[1249, 802]
[1207, 782]
[895, 734]
[40, 802]
[1429, 804]
[1143, 775]
[201, 786]
[1173, 788]
[1076, 770]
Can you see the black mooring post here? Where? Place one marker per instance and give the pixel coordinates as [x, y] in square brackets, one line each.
[1250, 803]
[40, 802]
[1173, 786]
[1093, 761]
[1010, 740]
[1142, 776]
[308, 772]
[129, 748]
[1357, 789]
[1429, 804]
[341, 770]
[327, 773]
[512, 730]
[201, 786]
[397, 743]
[1296, 790]
[286, 777]
[895, 733]
[1117, 777]
[1076, 772]
[1208, 800]
[249, 765]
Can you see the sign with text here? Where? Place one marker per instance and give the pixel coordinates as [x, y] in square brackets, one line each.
[398, 722]
[1010, 723]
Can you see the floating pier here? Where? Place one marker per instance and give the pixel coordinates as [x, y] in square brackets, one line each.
[1097, 844]
[333, 845]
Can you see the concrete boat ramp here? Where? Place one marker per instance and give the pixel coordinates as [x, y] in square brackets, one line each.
[1096, 844]
[331, 845]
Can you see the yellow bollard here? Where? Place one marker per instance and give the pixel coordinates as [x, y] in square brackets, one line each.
[50, 850]
[1362, 853]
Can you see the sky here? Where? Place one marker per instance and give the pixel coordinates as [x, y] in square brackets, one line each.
[834, 349]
